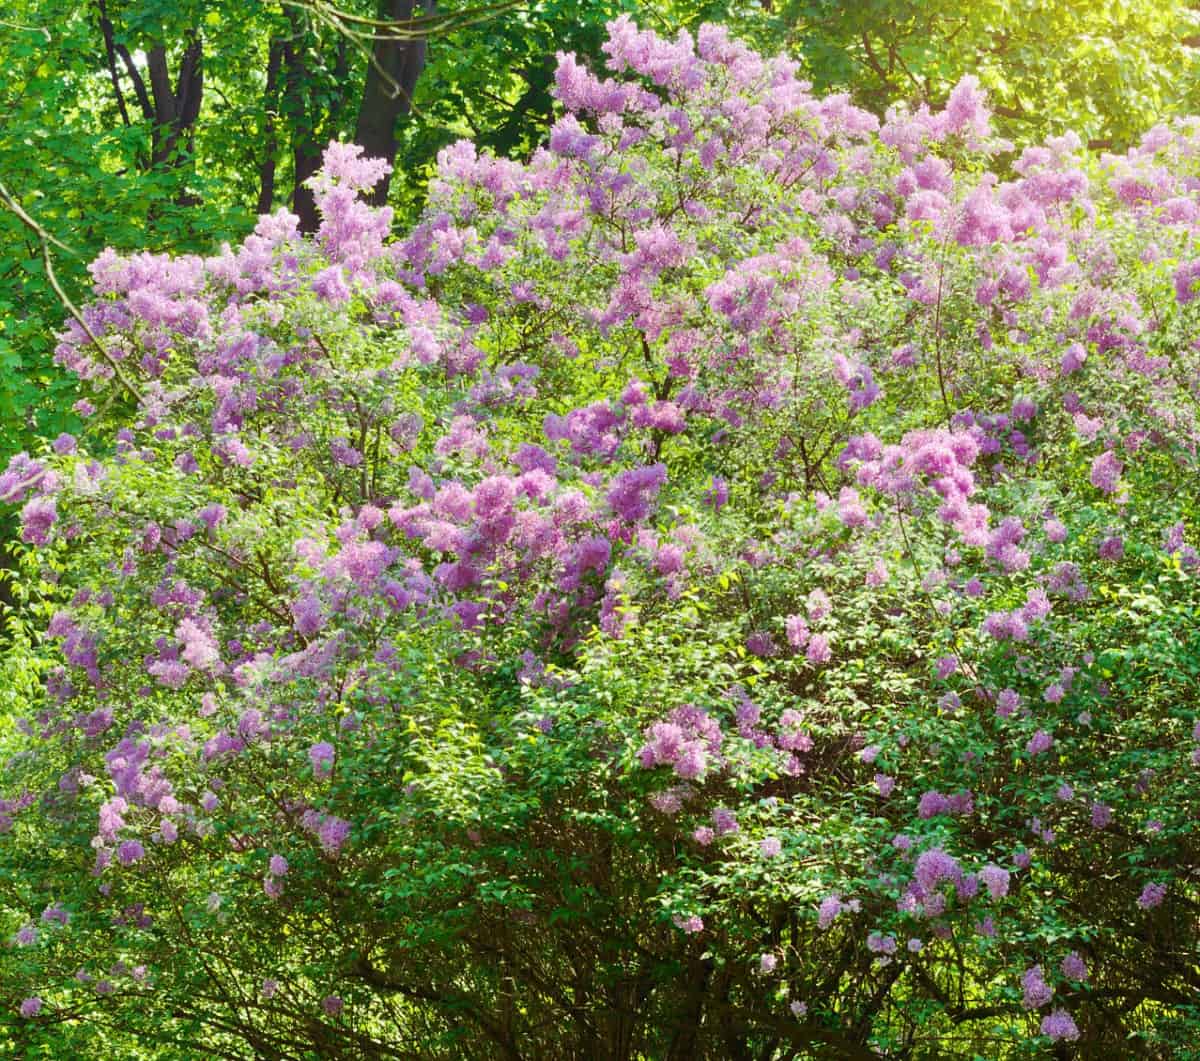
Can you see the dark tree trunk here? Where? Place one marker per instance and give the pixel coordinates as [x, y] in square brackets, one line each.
[172, 113]
[266, 172]
[110, 55]
[386, 98]
[176, 110]
[306, 156]
[305, 121]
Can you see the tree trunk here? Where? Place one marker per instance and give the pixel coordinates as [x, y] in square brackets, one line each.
[110, 55]
[175, 111]
[306, 157]
[302, 116]
[266, 172]
[385, 98]
[172, 113]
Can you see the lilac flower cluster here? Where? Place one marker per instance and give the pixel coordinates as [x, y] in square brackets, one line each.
[685, 384]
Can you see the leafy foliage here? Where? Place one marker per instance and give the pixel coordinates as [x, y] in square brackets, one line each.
[720, 588]
[1106, 71]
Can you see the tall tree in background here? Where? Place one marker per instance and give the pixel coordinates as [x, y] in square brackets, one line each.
[1106, 69]
[388, 88]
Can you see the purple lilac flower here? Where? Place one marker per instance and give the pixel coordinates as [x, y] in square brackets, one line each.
[725, 821]
[797, 631]
[818, 650]
[1074, 967]
[818, 605]
[718, 495]
[995, 879]
[1040, 742]
[130, 852]
[56, 912]
[31, 1006]
[759, 643]
[1007, 701]
[1058, 1025]
[632, 493]
[946, 666]
[1055, 530]
[1106, 470]
[1152, 896]
[1073, 359]
[1037, 992]
[934, 866]
[1187, 282]
[37, 517]
[831, 906]
[333, 833]
[877, 943]
[321, 756]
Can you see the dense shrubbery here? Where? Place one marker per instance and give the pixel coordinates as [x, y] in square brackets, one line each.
[721, 589]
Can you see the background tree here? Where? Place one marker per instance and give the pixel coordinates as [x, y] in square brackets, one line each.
[1105, 70]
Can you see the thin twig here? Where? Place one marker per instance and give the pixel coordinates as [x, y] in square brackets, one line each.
[27, 29]
[45, 239]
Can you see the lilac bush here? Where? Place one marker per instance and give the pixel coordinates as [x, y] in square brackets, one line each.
[609, 618]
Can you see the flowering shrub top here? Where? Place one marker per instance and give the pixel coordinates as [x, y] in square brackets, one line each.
[722, 584]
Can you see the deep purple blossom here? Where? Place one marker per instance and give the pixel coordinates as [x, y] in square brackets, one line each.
[130, 852]
[1152, 896]
[321, 756]
[1106, 471]
[1074, 967]
[1059, 1026]
[1037, 992]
